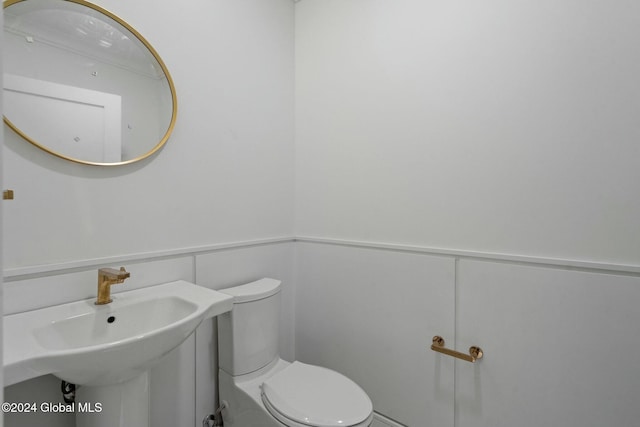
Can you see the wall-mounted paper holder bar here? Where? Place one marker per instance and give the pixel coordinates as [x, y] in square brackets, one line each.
[475, 353]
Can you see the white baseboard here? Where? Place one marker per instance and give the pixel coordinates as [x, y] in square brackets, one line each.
[382, 421]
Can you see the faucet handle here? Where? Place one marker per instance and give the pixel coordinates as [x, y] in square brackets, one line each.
[124, 274]
[113, 274]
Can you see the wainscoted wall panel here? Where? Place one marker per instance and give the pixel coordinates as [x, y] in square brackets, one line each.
[371, 314]
[182, 385]
[561, 347]
[560, 336]
[58, 288]
[223, 269]
[560, 342]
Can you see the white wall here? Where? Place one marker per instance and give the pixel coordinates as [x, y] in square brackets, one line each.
[225, 175]
[225, 178]
[502, 131]
[494, 126]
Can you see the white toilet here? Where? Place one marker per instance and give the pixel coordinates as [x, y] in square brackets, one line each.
[262, 390]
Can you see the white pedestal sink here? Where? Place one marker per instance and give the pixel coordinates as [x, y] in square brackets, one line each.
[107, 350]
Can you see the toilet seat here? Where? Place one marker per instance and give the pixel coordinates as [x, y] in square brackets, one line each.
[304, 395]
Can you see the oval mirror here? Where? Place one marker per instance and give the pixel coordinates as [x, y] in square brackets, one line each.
[82, 84]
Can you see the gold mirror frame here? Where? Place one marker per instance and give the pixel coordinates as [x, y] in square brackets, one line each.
[155, 54]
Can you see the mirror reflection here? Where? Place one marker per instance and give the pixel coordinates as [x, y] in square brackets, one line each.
[82, 84]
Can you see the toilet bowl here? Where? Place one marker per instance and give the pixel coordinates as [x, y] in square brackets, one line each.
[260, 389]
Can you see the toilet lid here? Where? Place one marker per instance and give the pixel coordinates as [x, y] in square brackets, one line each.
[315, 396]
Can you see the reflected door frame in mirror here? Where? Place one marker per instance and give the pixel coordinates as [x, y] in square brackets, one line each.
[121, 121]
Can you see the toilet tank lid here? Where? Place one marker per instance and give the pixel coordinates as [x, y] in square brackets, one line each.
[253, 291]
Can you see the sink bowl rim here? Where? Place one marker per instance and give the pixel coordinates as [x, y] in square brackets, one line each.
[113, 306]
[25, 358]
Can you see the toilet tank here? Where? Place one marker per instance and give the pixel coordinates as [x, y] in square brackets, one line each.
[248, 335]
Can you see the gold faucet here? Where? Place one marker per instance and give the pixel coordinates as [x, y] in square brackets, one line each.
[106, 278]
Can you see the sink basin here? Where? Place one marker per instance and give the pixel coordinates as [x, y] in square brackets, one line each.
[92, 345]
[98, 326]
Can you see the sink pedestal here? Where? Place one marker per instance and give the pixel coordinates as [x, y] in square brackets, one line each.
[118, 405]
